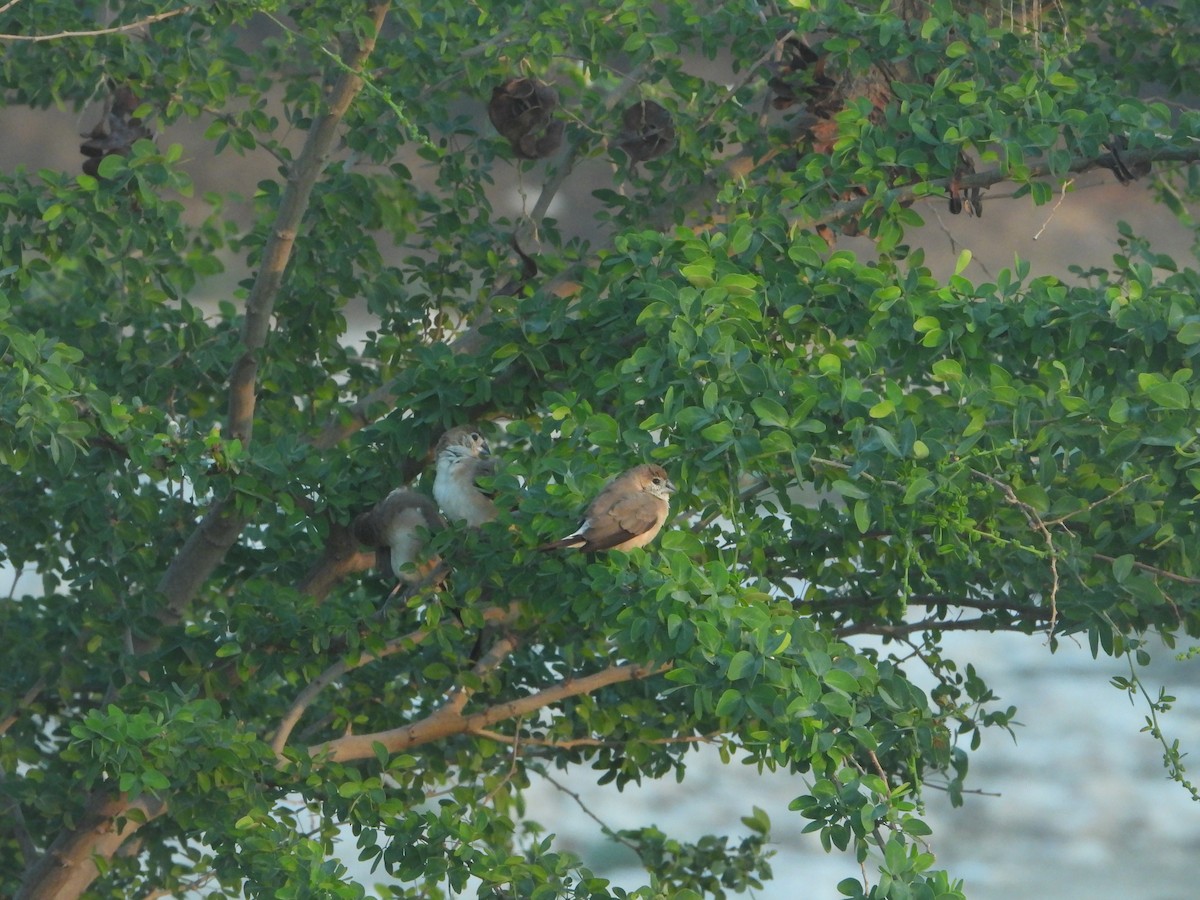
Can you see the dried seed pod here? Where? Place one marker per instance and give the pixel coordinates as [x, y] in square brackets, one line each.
[972, 197]
[520, 109]
[647, 131]
[116, 131]
[800, 78]
[1125, 174]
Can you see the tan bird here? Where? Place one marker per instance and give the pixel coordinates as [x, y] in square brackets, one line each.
[462, 458]
[628, 513]
[397, 527]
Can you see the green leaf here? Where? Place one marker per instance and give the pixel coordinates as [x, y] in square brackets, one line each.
[730, 700]
[112, 166]
[743, 663]
[842, 681]
[1169, 395]
[850, 490]
[964, 260]
[770, 412]
[829, 364]
[1189, 333]
[1122, 566]
[862, 516]
[947, 370]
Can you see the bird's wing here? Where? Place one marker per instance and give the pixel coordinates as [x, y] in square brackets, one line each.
[632, 514]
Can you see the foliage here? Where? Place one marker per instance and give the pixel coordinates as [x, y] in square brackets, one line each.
[861, 447]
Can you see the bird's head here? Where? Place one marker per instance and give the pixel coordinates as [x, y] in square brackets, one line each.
[653, 480]
[462, 441]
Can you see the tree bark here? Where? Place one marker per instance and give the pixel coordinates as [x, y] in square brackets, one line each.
[68, 868]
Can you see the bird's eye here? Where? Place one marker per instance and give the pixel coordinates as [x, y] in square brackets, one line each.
[657, 480]
[475, 436]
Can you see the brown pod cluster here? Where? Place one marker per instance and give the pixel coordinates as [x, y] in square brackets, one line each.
[971, 197]
[647, 131]
[800, 78]
[1125, 173]
[116, 131]
[521, 110]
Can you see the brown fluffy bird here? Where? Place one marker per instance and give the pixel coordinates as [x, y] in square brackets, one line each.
[628, 513]
[463, 457]
[397, 528]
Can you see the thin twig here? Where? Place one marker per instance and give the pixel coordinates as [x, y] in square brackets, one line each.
[747, 78]
[1036, 523]
[1062, 196]
[572, 743]
[976, 791]
[983, 605]
[9, 5]
[896, 631]
[1154, 570]
[1099, 502]
[116, 29]
[563, 169]
[878, 768]
[306, 697]
[608, 832]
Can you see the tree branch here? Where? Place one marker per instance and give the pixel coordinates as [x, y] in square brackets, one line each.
[220, 527]
[1153, 570]
[278, 249]
[920, 190]
[1036, 523]
[573, 743]
[448, 721]
[306, 697]
[69, 866]
[116, 29]
[980, 624]
[608, 832]
[983, 605]
[29, 696]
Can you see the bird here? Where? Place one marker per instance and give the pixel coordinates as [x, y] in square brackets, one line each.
[628, 513]
[397, 527]
[463, 457]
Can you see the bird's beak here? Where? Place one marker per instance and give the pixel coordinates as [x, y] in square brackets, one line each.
[484, 449]
[671, 487]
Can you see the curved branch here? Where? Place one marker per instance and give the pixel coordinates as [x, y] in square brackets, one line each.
[306, 697]
[1035, 524]
[449, 721]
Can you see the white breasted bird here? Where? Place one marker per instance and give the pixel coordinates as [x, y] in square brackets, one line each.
[628, 513]
[462, 457]
[397, 527]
